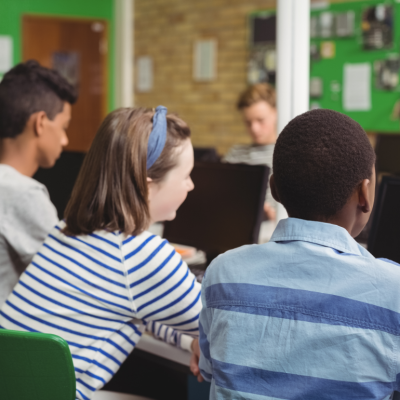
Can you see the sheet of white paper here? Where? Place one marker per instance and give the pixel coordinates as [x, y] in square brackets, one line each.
[357, 87]
[144, 74]
[6, 53]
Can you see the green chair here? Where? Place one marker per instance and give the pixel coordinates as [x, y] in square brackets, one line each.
[35, 366]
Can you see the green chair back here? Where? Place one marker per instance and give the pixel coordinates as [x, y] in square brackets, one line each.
[35, 366]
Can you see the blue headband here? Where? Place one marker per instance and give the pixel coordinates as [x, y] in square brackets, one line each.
[157, 137]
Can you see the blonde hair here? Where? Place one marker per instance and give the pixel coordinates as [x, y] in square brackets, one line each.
[255, 93]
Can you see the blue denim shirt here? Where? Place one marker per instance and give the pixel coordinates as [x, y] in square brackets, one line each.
[309, 315]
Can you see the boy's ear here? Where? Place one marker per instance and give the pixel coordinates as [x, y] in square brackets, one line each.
[364, 202]
[38, 120]
[274, 192]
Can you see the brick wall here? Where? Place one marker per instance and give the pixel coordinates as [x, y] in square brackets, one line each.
[166, 30]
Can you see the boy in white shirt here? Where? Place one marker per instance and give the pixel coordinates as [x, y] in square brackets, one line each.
[35, 110]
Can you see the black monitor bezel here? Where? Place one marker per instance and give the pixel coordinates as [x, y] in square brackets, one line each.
[386, 181]
[260, 208]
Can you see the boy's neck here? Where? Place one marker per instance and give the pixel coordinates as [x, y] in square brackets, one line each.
[19, 153]
[270, 140]
[266, 143]
[350, 225]
[348, 218]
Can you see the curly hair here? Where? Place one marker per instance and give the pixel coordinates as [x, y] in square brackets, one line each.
[28, 88]
[319, 160]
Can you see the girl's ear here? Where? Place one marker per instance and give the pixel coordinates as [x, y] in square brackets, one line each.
[152, 189]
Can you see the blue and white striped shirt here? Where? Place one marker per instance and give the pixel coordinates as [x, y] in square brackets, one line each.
[309, 315]
[99, 292]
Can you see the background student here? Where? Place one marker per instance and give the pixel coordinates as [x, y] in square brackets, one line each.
[35, 110]
[312, 315]
[258, 107]
[100, 277]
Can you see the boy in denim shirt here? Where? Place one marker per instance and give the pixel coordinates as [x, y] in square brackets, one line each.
[311, 314]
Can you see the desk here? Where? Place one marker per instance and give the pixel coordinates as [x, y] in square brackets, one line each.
[266, 230]
[158, 371]
[161, 349]
[161, 370]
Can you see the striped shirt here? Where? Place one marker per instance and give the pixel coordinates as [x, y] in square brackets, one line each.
[99, 292]
[309, 315]
[253, 155]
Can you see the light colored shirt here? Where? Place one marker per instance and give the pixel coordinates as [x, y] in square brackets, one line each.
[253, 155]
[99, 292]
[309, 315]
[26, 217]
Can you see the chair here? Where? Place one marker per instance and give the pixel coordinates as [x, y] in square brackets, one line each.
[38, 366]
[35, 366]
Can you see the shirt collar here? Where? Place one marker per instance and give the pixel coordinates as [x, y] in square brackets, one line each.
[8, 167]
[321, 233]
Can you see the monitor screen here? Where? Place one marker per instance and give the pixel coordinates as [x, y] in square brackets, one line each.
[206, 154]
[384, 237]
[225, 209]
[387, 153]
[60, 179]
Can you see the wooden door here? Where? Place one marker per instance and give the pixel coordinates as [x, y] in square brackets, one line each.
[78, 50]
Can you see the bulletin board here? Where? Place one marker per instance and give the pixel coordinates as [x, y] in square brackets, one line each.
[354, 61]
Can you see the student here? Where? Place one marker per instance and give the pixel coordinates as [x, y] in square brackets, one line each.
[35, 109]
[100, 277]
[311, 314]
[258, 107]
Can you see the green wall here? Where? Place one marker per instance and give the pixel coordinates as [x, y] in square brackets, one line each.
[350, 50]
[11, 12]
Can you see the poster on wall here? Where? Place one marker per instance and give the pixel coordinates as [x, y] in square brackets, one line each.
[6, 53]
[144, 67]
[357, 87]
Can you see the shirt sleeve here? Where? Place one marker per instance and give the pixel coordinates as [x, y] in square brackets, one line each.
[29, 222]
[230, 156]
[205, 363]
[170, 335]
[164, 290]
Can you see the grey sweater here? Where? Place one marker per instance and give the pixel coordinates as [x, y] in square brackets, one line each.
[26, 217]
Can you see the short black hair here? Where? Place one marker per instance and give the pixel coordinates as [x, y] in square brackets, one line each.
[320, 158]
[28, 88]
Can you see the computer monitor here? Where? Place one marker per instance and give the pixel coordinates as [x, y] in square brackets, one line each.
[384, 237]
[206, 154]
[60, 179]
[387, 153]
[225, 209]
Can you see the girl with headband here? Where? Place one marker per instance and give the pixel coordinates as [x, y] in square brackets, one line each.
[100, 277]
